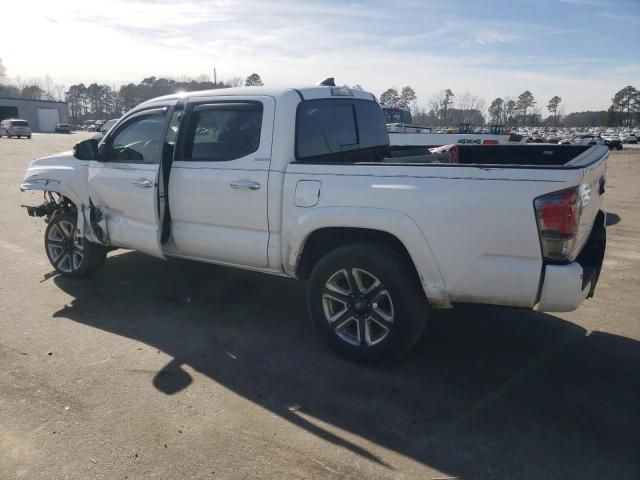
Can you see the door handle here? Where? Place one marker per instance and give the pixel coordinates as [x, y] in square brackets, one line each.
[142, 183]
[245, 185]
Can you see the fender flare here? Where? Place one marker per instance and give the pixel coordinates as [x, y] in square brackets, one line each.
[392, 222]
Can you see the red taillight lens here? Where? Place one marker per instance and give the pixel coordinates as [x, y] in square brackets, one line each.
[558, 213]
[490, 142]
[558, 216]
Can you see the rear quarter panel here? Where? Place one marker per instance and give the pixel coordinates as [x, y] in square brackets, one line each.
[478, 224]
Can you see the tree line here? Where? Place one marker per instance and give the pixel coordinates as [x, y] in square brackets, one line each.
[100, 101]
[97, 102]
[448, 109]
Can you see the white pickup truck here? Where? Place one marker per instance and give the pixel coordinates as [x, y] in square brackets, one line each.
[302, 183]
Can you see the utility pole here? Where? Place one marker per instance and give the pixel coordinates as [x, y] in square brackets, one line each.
[215, 78]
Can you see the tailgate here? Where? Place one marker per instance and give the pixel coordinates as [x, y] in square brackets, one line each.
[592, 189]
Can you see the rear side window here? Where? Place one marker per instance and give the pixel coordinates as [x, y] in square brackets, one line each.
[334, 129]
[223, 131]
[371, 125]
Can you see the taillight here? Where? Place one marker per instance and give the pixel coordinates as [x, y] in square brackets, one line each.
[558, 216]
[490, 142]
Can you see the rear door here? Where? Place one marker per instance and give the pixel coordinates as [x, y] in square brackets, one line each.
[123, 184]
[218, 182]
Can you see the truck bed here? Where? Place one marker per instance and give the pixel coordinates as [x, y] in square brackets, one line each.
[530, 156]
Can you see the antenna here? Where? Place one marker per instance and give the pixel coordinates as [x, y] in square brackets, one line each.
[328, 82]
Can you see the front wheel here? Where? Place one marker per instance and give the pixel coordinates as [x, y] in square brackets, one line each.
[366, 301]
[71, 256]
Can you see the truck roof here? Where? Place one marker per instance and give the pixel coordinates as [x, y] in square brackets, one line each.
[307, 93]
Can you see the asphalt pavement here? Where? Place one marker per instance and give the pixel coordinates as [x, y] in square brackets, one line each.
[181, 370]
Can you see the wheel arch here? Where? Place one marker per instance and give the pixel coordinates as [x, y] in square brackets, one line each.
[320, 230]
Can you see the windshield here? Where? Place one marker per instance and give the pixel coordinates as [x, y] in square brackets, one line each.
[20, 123]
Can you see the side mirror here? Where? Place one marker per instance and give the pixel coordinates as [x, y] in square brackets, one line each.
[86, 150]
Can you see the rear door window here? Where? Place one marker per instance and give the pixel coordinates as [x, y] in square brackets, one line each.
[223, 131]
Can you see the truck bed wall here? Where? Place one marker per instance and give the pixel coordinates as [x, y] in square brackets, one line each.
[556, 155]
[513, 155]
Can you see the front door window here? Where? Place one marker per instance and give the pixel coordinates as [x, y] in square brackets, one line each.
[139, 141]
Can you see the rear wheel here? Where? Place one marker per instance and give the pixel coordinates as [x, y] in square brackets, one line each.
[71, 256]
[366, 302]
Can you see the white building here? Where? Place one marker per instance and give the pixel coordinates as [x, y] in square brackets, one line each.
[42, 115]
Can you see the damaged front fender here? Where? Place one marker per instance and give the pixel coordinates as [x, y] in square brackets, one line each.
[66, 176]
[62, 173]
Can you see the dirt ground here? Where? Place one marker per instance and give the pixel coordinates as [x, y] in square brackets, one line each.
[179, 370]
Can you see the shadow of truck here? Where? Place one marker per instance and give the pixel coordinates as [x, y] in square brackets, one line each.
[491, 393]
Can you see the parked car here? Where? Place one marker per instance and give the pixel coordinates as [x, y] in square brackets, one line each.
[629, 138]
[63, 128]
[15, 128]
[587, 139]
[104, 128]
[303, 183]
[612, 141]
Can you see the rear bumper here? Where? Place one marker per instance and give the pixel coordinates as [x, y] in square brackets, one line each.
[565, 287]
[21, 133]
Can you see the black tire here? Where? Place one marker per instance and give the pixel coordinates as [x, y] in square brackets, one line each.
[8, 135]
[76, 259]
[29, 137]
[364, 333]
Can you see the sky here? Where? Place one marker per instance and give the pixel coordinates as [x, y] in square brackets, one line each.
[582, 50]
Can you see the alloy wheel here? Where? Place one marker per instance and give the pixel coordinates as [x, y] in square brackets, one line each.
[65, 251]
[358, 307]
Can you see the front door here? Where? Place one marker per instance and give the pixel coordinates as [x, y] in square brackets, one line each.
[123, 184]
